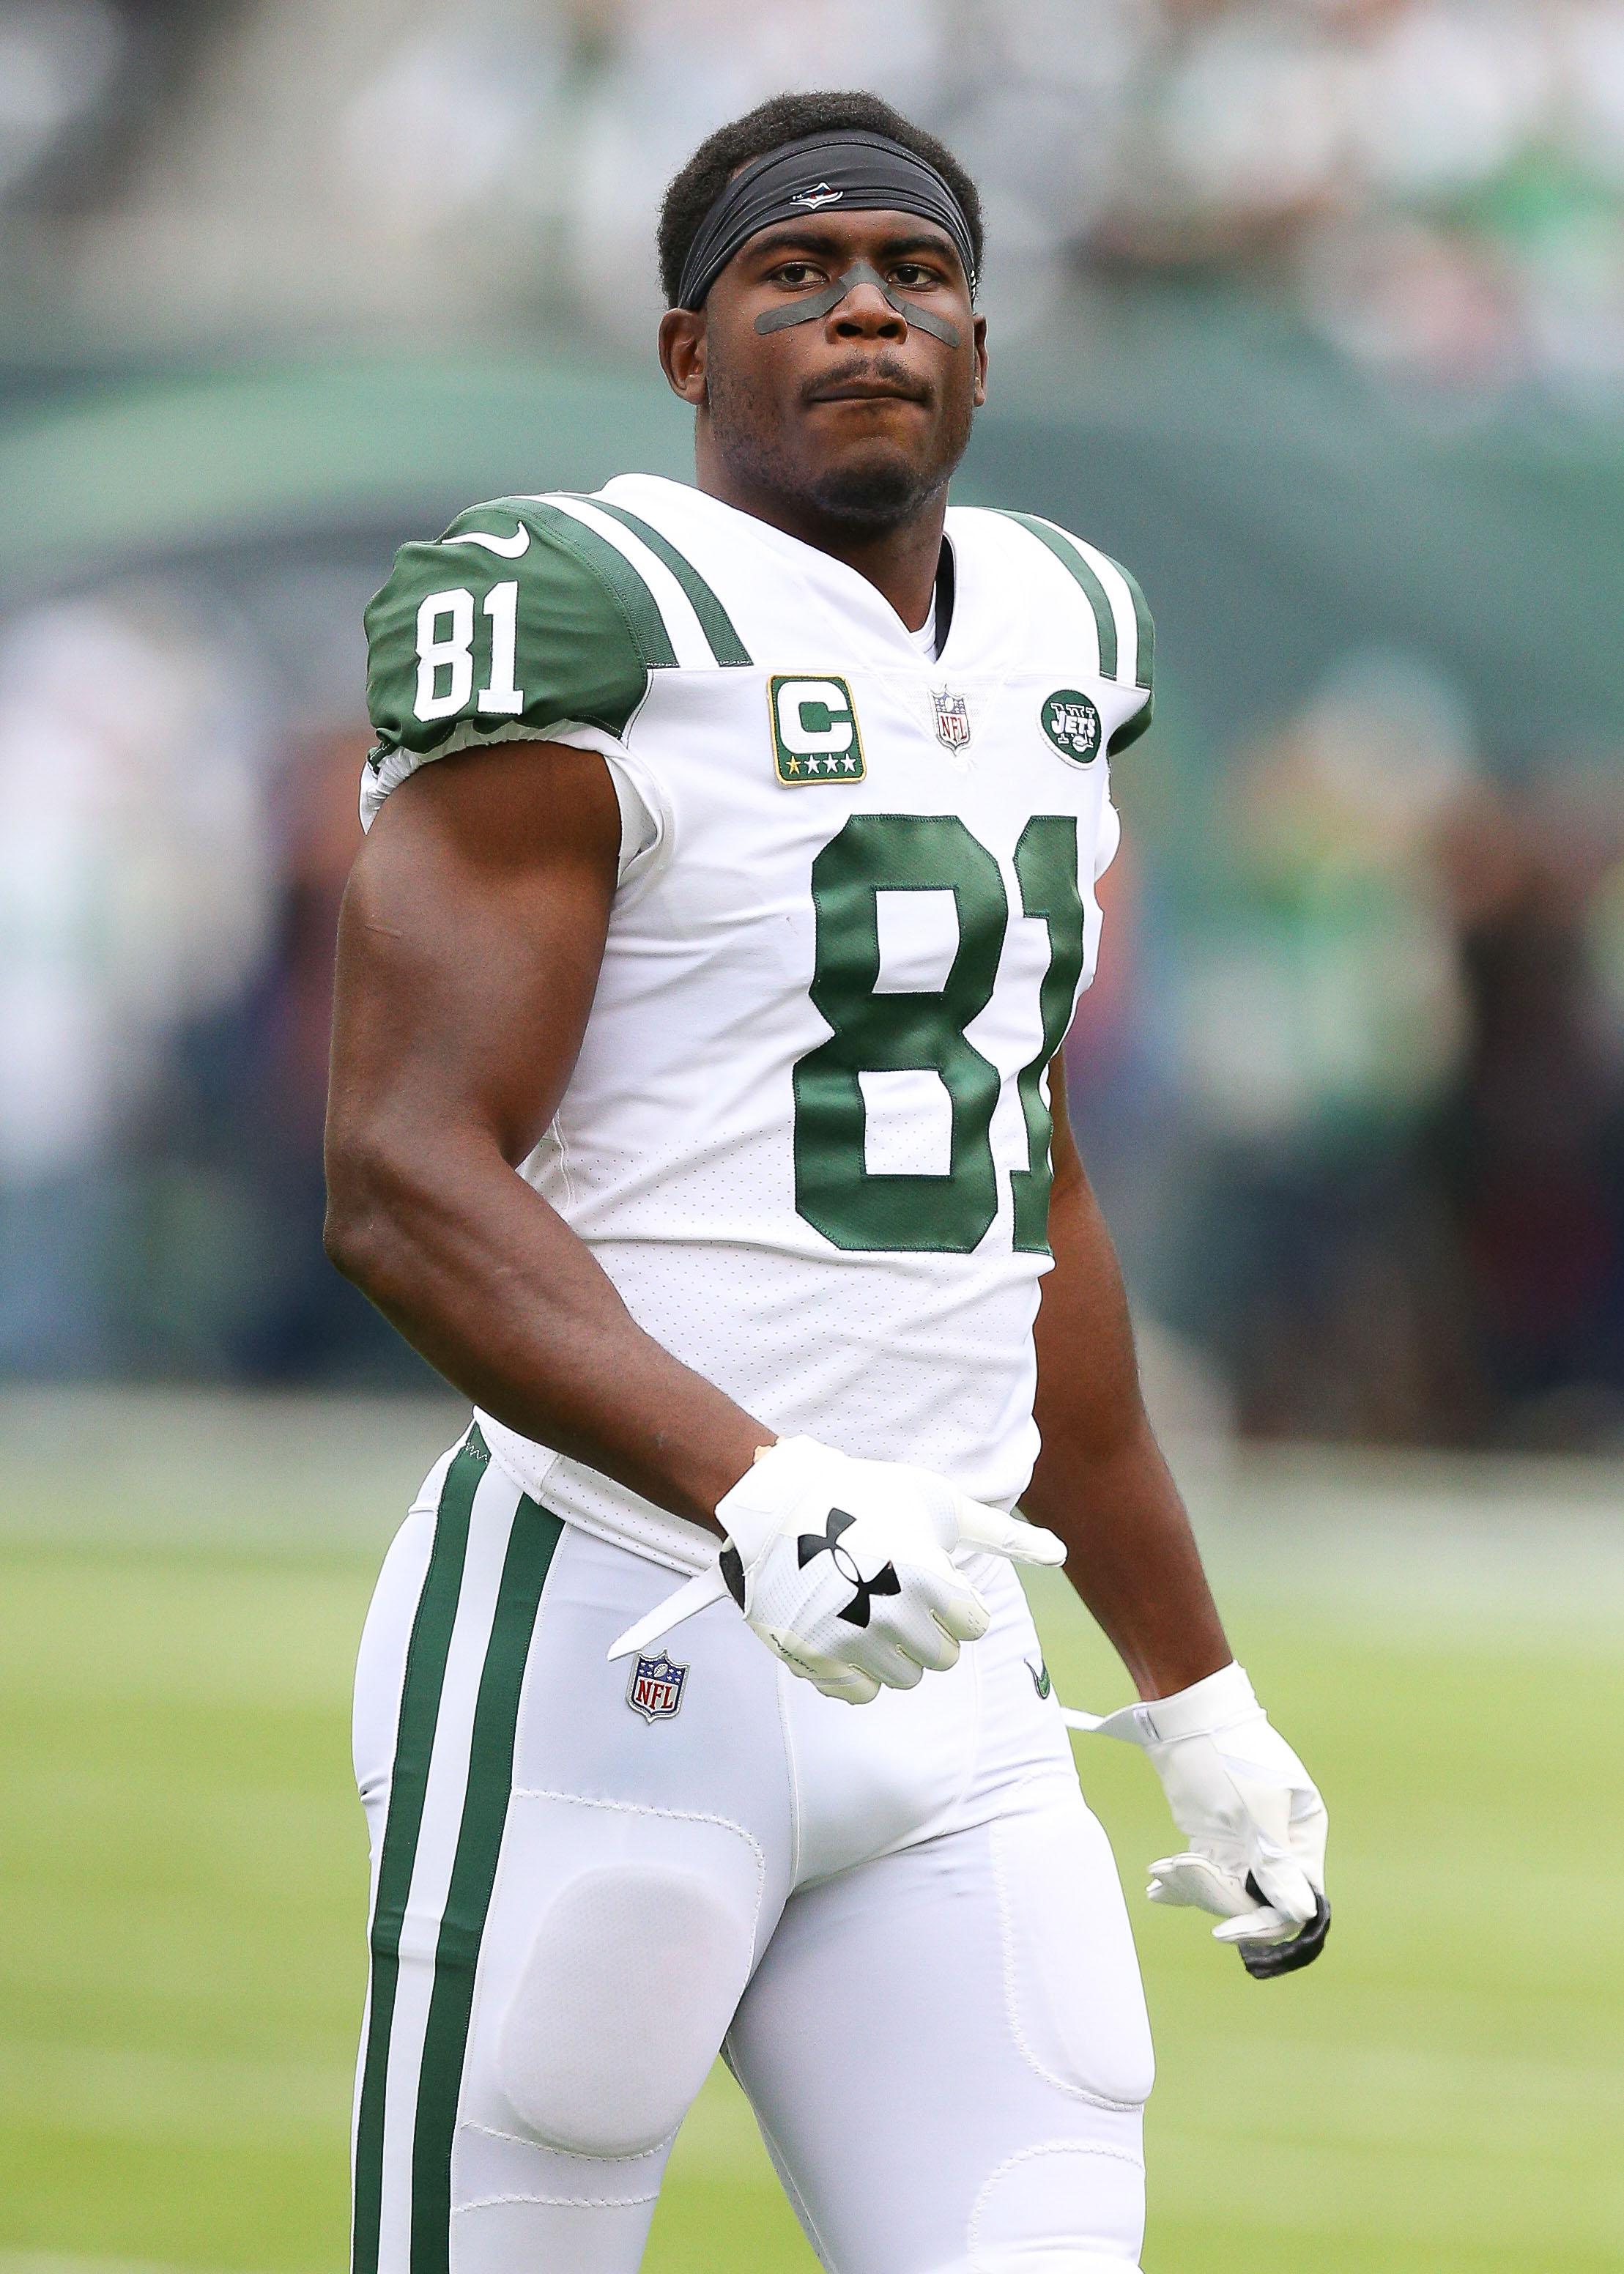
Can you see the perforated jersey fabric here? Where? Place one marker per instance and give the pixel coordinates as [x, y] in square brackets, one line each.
[812, 1159]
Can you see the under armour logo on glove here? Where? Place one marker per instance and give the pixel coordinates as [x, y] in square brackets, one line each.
[802, 1524]
[884, 1581]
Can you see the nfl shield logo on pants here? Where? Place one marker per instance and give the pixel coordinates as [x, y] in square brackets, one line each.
[655, 1690]
[952, 718]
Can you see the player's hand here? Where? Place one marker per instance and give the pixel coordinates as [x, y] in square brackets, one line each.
[1254, 1821]
[842, 1567]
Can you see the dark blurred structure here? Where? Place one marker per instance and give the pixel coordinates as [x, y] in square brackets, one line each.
[1313, 313]
[1388, 1168]
[1433, 185]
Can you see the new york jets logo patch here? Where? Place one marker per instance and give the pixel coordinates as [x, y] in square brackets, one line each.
[815, 736]
[1072, 725]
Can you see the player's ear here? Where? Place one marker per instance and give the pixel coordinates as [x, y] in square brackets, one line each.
[682, 352]
[980, 396]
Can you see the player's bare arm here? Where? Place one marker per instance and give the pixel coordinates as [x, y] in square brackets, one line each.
[1101, 1480]
[469, 951]
[1253, 1816]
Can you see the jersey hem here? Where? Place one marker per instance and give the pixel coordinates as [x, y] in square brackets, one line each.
[539, 1481]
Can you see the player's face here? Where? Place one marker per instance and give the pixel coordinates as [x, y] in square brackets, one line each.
[859, 414]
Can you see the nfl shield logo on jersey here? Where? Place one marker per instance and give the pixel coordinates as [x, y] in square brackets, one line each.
[952, 718]
[655, 1690]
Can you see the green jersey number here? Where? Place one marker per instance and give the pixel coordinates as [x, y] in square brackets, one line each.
[875, 1032]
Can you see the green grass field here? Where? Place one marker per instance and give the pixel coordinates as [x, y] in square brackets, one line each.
[181, 1872]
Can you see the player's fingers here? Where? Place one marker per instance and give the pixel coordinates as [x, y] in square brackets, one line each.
[960, 1612]
[831, 1672]
[893, 1665]
[1285, 1884]
[1265, 1926]
[938, 1649]
[1198, 1883]
[979, 1526]
[916, 1628]
[852, 1688]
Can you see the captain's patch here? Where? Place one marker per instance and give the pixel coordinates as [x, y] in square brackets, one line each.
[815, 736]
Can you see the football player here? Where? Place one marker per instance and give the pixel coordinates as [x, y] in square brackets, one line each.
[698, 1111]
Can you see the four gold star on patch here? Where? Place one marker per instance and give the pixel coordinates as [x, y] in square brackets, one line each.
[815, 734]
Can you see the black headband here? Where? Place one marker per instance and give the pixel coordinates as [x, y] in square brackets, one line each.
[859, 172]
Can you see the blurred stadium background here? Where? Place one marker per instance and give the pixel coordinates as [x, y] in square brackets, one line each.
[1313, 313]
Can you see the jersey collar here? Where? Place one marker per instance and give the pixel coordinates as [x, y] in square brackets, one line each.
[843, 587]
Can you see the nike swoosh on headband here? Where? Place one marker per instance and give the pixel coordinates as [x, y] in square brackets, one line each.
[509, 547]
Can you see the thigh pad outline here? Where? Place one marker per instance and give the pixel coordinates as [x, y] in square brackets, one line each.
[1070, 1973]
[630, 1979]
[1061, 2207]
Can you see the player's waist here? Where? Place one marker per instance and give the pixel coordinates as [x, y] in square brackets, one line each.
[750, 1274]
[993, 1468]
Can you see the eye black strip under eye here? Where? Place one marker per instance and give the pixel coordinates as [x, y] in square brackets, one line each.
[861, 272]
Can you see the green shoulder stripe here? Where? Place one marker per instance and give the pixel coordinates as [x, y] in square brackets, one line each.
[1131, 729]
[1072, 561]
[632, 596]
[498, 630]
[1145, 674]
[715, 622]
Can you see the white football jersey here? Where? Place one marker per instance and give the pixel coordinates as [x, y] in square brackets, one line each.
[808, 1133]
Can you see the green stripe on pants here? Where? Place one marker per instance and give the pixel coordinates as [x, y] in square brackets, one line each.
[530, 1545]
[414, 1746]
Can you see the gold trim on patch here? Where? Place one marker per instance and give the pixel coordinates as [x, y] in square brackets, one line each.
[808, 745]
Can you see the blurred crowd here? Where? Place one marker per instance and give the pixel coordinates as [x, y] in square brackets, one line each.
[1355, 1080]
[179, 822]
[1352, 1079]
[1435, 187]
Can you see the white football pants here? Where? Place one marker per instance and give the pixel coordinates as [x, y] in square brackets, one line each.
[897, 1921]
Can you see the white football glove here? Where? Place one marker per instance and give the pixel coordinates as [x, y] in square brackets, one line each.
[1249, 1811]
[842, 1568]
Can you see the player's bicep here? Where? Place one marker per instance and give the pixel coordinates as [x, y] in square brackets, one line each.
[469, 944]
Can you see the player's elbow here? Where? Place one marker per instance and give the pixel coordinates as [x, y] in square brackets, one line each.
[370, 1191]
